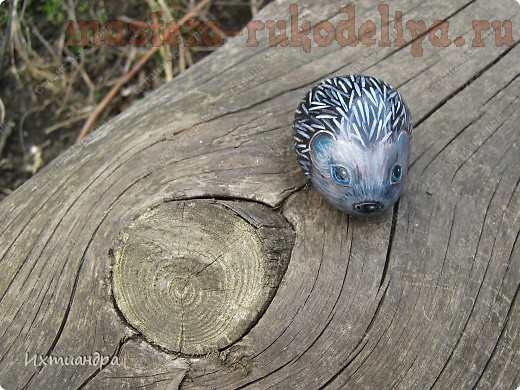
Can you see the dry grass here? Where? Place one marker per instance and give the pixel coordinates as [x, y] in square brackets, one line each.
[53, 93]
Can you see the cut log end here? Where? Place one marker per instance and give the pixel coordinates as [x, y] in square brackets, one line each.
[194, 276]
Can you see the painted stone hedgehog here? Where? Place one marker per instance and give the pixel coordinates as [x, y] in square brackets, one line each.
[352, 138]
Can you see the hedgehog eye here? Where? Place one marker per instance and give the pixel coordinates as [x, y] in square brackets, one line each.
[340, 175]
[396, 174]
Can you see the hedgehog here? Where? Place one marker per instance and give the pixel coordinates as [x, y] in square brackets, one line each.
[352, 139]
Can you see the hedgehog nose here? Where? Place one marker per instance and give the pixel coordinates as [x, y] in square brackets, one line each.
[368, 207]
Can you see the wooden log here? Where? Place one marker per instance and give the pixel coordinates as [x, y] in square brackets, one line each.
[425, 297]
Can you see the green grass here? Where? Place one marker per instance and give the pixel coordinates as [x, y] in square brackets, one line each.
[53, 11]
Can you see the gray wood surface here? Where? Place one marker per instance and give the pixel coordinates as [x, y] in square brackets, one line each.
[424, 298]
[193, 276]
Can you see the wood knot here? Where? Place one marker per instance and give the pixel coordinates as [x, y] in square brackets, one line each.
[194, 276]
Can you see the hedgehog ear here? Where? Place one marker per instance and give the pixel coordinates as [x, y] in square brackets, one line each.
[321, 147]
[403, 140]
[403, 143]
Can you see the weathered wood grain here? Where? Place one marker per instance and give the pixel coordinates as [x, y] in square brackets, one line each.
[192, 277]
[423, 298]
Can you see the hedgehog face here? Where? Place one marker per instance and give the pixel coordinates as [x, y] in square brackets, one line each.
[358, 179]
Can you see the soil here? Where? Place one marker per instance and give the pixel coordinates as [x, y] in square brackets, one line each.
[32, 108]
